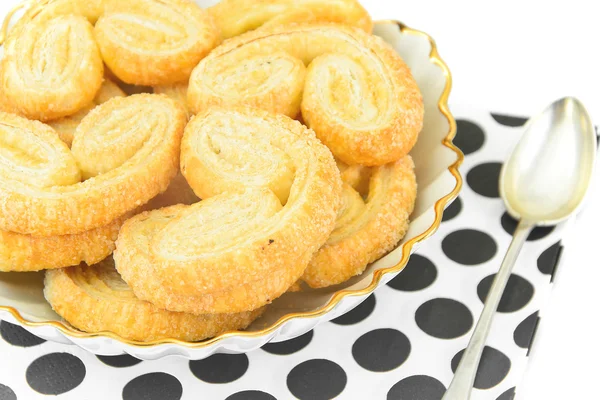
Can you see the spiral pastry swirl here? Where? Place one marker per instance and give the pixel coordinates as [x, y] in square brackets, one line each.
[65, 127]
[51, 67]
[95, 299]
[376, 206]
[154, 42]
[256, 229]
[357, 94]
[235, 17]
[126, 150]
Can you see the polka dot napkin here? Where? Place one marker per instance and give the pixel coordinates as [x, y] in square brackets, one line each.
[403, 342]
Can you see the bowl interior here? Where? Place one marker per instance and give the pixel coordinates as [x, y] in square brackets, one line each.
[433, 158]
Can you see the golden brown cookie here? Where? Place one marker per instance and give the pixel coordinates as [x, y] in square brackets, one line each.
[235, 17]
[243, 245]
[33, 253]
[96, 299]
[368, 228]
[154, 42]
[126, 149]
[51, 66]
[65, 127]
[356, 93]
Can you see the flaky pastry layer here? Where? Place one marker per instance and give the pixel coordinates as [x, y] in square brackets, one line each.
[34, 253]
[243, 245]
[235, 17]
[353, 89]
[126, 149]
[154, 42]
[51, 67]
[65, 127]
[96, 299]
[366, 229]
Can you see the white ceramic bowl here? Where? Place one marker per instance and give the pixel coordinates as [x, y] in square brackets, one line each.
[437, 160]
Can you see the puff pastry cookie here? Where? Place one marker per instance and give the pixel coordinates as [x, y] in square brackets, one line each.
[126, 150]
[154, 42]
[65, 127]
[253, 234]
[235, 17]
[51, 67]
[33, 253]
[356, 93]
[96, 299]
[366, 228]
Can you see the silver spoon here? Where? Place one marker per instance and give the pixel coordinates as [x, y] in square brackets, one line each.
[543, 183]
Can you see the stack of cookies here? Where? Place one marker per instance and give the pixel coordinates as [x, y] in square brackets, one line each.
[294, 131]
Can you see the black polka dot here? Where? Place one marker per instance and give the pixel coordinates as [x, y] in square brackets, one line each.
[316, 379]
[418, 274]
[517, 294]
[469, 247]
[508, 395]
[523, 334]
[124, 360]
[18, 336]
[509, 224]
[548, 260]
[220, 368]
[452, 210]
[6, 393]
[483, 179]
[251, 395]
[493, 367]
[417, 387]
[444, 318]
[469, 136]
[381, 350]
[55, 373]
[153, 386]
[289, 346]
[508, 120]
[358, 314]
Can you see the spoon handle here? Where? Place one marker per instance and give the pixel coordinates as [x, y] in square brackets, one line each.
[464, 377]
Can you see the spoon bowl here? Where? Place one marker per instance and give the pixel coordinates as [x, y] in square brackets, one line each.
[546, 178]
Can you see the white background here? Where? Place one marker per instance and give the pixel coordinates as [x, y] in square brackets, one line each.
[515, 57]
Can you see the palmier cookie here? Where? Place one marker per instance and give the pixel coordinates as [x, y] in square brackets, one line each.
[33, 253]
[366, 229]
[51, 66]
[154, 42]
[270, 195]
[235, 17]
[45, 10]
[357, 93]
[65, 127]
[126, 149]
[96, 299]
